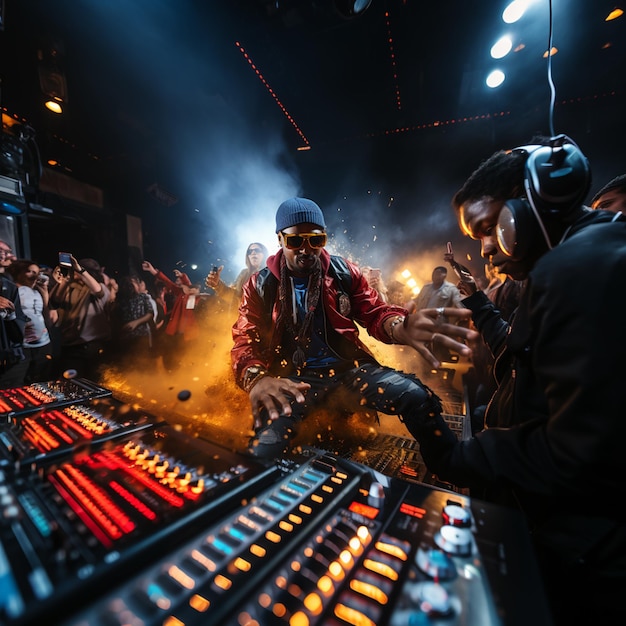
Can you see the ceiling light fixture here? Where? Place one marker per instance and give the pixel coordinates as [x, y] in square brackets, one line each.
[495, 79]
[514, 11]
[614, 14]
[502, 47]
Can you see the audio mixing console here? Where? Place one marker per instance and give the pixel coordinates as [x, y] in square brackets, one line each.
[142, 524]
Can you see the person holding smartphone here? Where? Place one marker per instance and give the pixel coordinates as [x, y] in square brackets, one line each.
[374, 277]
[80, 297]
[34, 300]
[256, 254]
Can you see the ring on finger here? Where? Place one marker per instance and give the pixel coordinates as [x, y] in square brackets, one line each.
[440, 310]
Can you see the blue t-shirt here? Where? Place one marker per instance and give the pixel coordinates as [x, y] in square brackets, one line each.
[318, 353]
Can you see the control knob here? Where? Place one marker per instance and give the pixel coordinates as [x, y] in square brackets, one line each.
[435, 563]
[456, 515]
[432, 599]
[454, 540]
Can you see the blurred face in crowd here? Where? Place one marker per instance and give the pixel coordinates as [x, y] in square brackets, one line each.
[302, 246]
[438, 276]
[6, 255]
[136, 282]
[29, 275]
[255, 257]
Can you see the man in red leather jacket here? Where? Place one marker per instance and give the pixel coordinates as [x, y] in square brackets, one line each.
[296, 343]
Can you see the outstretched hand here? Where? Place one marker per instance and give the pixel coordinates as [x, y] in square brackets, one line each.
[146, 266]
[425, 328]
[467, 283]
[213, 277]
[275, 395]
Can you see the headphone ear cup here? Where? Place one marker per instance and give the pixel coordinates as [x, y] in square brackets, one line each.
[557, 177]
[516, 228]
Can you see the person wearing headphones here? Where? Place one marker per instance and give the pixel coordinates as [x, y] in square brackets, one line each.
[553, 445]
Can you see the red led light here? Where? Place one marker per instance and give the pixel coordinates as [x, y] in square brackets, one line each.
[364, 509]
[413, 511]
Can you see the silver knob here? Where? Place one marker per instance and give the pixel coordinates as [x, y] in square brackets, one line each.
[455, 540]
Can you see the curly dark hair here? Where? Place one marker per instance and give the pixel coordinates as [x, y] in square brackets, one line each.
[500, 177]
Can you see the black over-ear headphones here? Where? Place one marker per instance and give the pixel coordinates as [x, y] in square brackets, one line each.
[557, 176]
[557, 179]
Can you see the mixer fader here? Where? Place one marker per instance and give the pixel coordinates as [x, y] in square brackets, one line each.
[51, 433]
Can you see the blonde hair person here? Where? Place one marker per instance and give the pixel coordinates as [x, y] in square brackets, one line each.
[256, 254]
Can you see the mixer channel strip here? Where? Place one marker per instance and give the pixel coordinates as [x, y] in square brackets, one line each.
[28, 399]
[53, 433]
[392, 456]
[395, 456]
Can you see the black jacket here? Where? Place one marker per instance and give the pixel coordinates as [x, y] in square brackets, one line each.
[561, 373]
[12, 335]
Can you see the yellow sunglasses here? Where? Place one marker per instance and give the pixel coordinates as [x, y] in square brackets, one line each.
[295, 241]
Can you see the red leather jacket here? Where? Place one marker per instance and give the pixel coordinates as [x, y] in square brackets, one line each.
[256, 342]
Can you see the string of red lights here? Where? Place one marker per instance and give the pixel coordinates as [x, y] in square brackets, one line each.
[282, 107]
[392, 56]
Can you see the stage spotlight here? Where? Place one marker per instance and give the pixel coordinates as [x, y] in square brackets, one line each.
[502, 47]
[351, 8]
[495, 79]
[54, 105]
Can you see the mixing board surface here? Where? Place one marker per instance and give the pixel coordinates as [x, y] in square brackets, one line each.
[112, 517]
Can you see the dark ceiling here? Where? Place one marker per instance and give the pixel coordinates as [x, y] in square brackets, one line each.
[189, 93]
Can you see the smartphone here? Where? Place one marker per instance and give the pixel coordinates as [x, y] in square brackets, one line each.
[65, 259]
[43, 278]
[65, 263]
[460, 270]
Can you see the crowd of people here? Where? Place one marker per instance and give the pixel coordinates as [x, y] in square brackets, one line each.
[548, 438]
[75, 320]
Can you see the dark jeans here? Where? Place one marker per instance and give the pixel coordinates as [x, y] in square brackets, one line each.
[85, 358]
[13, 375]
[370, 385]
[39, 364]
